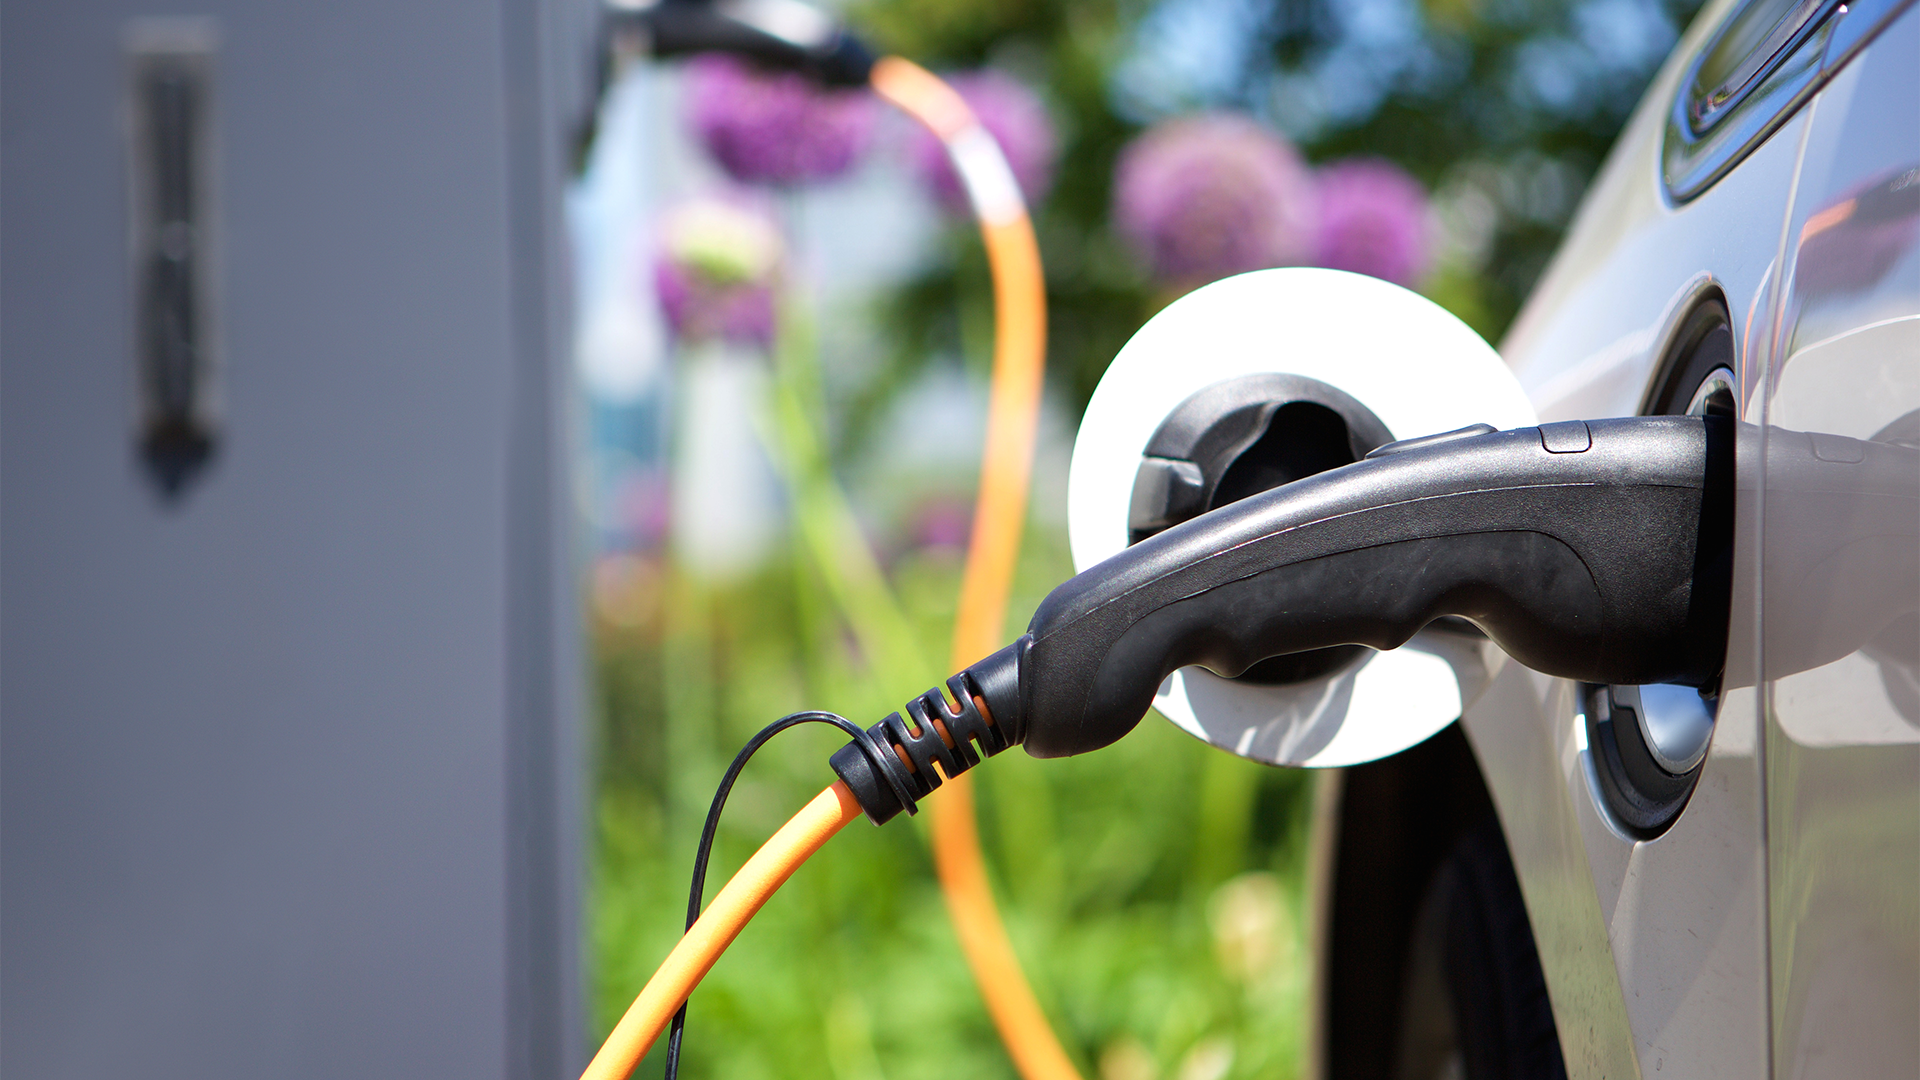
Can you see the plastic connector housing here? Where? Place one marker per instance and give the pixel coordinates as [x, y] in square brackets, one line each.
[1598, 551]
[903, 759]
[1580, 553]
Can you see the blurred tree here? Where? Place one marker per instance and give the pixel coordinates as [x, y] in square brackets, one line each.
[1503, 108]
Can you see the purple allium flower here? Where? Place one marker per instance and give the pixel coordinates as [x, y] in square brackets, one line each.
[1373, 220]
[1207, 196]
[774, 127]
[1013, 115]
[699, 311]
[715, 274]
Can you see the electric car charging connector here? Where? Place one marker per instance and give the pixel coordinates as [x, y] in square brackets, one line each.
[1597, 551]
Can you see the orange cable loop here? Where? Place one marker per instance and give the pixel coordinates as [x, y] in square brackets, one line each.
[1019, 292]
[1013, 415]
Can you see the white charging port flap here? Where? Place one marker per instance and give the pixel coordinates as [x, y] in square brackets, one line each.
[1417, 367]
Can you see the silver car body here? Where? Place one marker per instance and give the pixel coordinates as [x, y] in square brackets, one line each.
[1774, 928]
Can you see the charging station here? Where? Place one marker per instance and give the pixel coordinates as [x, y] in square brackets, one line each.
[290, 767]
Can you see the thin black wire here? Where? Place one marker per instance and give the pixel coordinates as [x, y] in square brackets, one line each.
[713, 824]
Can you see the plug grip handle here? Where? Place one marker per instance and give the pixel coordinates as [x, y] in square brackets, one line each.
[1601, 554]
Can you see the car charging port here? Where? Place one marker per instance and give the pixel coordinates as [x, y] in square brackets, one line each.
[1644, 790]
[1649, 741]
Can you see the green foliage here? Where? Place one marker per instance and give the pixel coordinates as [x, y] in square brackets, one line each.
[1504, 108]
[1517, 99]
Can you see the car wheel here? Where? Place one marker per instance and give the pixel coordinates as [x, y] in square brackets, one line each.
[1475, 1003]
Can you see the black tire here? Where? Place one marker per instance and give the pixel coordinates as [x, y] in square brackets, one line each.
[1475, 1001]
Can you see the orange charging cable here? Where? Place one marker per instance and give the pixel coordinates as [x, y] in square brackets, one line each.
[1013, 411]
[1000, 510]
[738, 901]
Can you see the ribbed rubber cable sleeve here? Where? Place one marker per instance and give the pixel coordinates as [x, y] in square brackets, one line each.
[1013, 415]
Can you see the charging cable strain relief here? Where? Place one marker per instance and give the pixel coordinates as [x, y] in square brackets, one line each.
[892, 765]
[997, 680]
[875, 776]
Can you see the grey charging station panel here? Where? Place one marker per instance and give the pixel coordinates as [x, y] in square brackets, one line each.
[289, 766]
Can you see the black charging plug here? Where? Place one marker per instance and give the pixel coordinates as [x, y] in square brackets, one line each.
[1594, 551]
